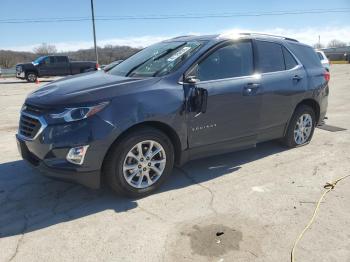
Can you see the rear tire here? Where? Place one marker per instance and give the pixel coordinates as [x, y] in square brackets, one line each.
[125, 167]
[301, 127]
[31, 77]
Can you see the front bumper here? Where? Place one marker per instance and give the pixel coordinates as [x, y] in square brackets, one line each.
[20, 75]
[48, 151]
[89, 179]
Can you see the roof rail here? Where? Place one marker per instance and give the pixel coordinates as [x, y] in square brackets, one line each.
[276, 36]
[176, 37]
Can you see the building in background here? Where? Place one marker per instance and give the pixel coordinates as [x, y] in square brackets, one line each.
[338, 53]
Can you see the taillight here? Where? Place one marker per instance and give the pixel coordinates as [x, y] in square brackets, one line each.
[327, 76]
[97, 66]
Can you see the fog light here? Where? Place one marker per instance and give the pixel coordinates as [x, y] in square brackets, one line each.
[76, 155]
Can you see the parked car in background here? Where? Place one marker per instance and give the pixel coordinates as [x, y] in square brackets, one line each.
[52, 65]
[323, 58]
[110, 66]
[174, 101]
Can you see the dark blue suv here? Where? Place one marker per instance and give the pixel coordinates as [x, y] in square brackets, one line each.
[181, 99]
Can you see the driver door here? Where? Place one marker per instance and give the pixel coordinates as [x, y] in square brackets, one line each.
[231, 117]
[47, 67]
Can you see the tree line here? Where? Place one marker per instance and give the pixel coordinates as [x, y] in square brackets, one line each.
[107, 54]
[332, 44]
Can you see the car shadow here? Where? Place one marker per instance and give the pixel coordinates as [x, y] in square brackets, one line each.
[30, 202]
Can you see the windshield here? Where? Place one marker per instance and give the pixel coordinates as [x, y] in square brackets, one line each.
[38, 60]
[156, 60]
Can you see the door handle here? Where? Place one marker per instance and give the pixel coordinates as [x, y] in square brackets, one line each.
[297, 78]
[250, 89]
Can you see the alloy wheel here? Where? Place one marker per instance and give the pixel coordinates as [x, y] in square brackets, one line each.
[144, 164]
[303, 128]
[31, 77]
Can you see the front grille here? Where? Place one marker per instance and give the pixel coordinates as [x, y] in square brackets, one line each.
[29, 126]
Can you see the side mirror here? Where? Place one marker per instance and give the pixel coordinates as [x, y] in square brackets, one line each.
[191, 80]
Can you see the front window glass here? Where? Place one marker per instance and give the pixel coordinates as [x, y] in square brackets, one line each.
[233, 60]
[157, 60]
[39, 59]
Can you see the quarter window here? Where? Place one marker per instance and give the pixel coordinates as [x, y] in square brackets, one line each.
[270, 57]
[289, 59]
[233, 60]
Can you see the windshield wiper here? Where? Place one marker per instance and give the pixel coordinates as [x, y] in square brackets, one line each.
[166, 52]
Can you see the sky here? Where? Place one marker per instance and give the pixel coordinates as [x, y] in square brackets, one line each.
[74, 35]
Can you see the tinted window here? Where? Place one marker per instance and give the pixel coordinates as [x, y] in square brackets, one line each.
[61, 59]
[289, 59]
[48, 60]
[270, 57]
[233, 60]
[306, 55]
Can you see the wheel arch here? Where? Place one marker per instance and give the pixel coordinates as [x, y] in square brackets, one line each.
[163, 127]
[313, 104]
[31, 71]
[309, 102]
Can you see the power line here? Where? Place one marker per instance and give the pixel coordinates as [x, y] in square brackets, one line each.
[170, 17]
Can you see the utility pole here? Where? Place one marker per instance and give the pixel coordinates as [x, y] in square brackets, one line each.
[93, 27]
[319, 41]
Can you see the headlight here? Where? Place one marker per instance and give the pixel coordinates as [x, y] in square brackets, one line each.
[79, 113]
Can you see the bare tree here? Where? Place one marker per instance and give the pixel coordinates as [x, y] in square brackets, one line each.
[336, 43]
[318, 46]
[107, 53]
[45, 49]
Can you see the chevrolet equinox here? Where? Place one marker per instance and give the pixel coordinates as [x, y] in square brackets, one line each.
[174, 101]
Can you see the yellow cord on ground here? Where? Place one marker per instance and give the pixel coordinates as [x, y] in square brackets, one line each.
[328, 187]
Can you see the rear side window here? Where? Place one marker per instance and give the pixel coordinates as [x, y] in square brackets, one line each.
[289, 59]
[233, 60]
[306, 55]
[61, 59]
[270, 57]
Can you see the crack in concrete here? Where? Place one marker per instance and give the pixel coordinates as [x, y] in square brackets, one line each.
[152, 214]
[58, 196]
[193, 180]
[19, 242]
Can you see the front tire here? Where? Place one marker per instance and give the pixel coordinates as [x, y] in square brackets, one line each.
[31, 77]
[301, 127]
[138, 164]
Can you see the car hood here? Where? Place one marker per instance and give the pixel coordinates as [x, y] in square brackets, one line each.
[26, 65]
[86, 88]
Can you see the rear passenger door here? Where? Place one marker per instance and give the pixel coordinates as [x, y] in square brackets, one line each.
[283, 81]
[62, 66]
